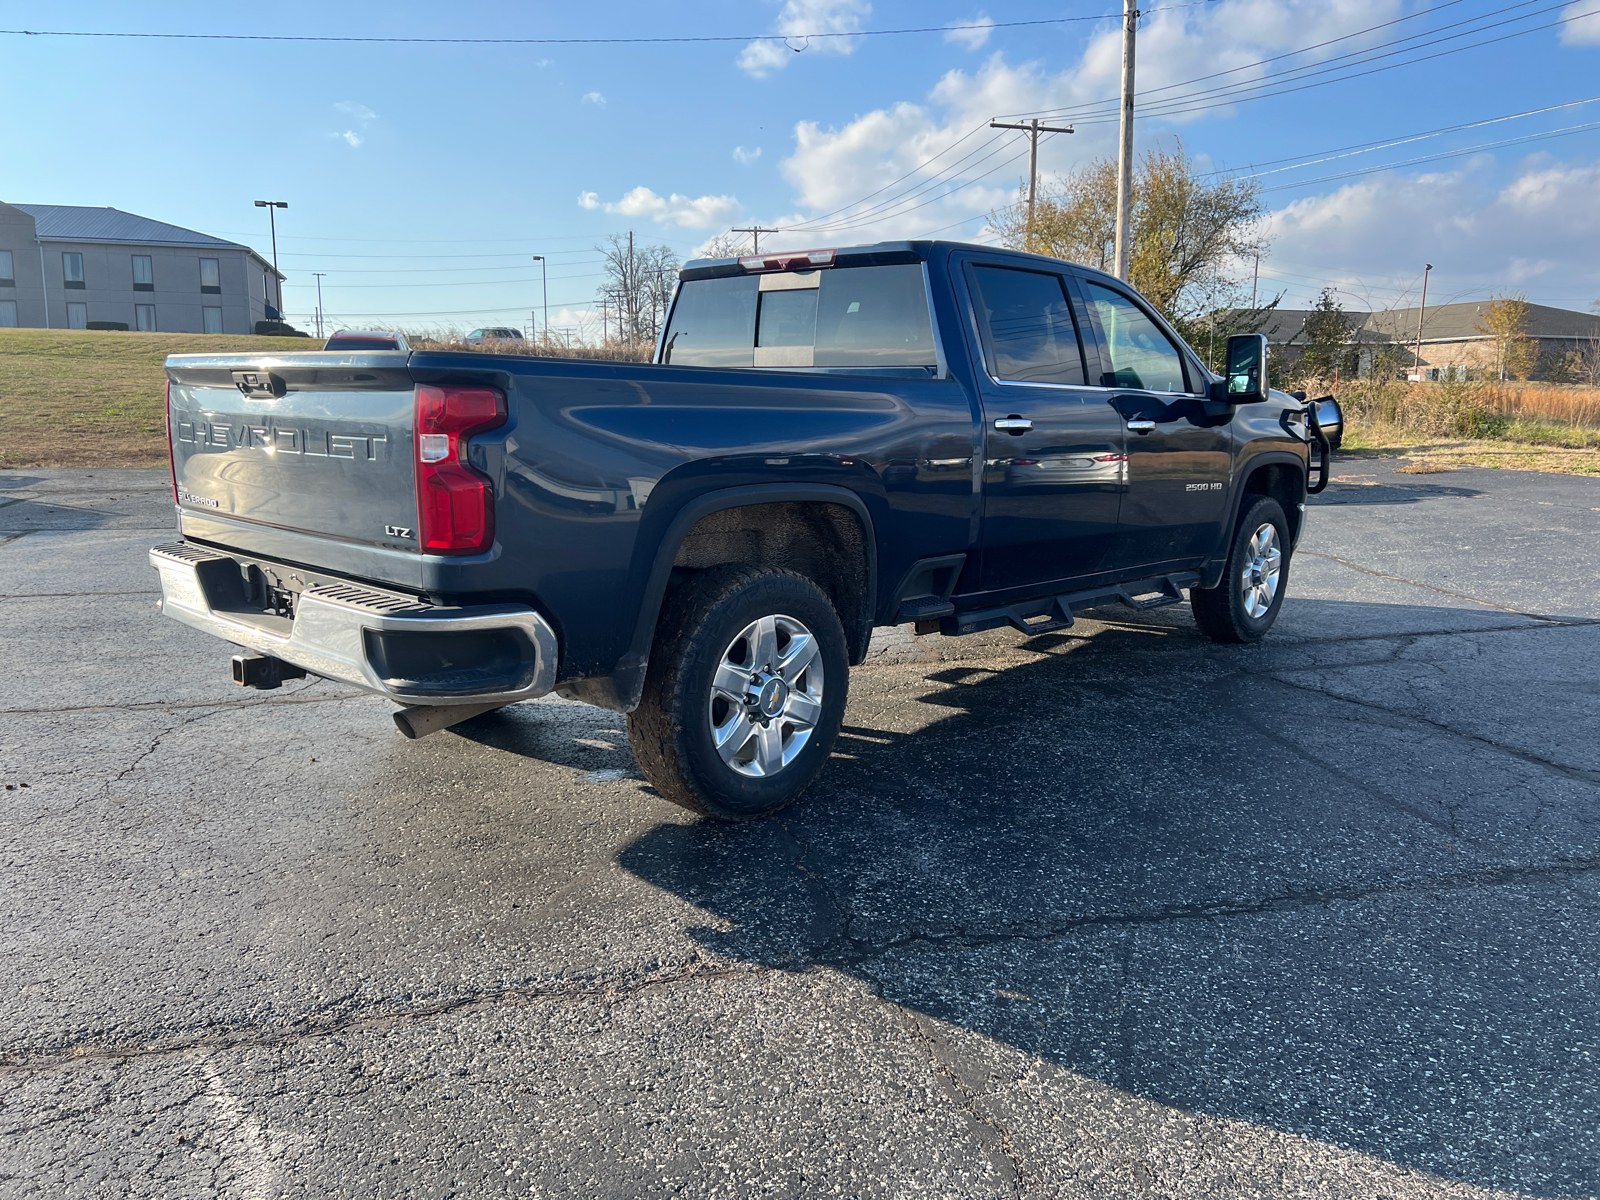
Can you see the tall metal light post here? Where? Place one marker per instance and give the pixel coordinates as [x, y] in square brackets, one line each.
[319, 275]
[544, 280]
[1421, 312]
[272, 216]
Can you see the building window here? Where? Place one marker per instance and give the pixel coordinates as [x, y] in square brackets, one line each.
[8, 314]
[144, 278]
[7, 279]
[72, 270]
[144, 318]
[210, 276]
[213, 318]
[77, 316]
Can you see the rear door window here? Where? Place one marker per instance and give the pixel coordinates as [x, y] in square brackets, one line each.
[713, 324]
[1029, 335]
[861, 317]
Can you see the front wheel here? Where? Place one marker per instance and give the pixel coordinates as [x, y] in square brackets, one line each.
[1245, 602]
[744, 694]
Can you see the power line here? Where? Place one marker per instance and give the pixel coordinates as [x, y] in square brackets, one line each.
[1443, 154]
[1221, 98]
[606, 41]
[1312, 159]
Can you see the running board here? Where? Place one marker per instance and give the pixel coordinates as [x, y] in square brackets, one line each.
[1049, 613]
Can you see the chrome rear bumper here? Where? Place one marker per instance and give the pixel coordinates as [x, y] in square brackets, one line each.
[377, 640]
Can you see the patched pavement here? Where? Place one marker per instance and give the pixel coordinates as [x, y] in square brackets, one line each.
[1107, 912]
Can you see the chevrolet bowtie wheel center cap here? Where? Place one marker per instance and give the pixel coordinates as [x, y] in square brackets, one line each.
[771, 695]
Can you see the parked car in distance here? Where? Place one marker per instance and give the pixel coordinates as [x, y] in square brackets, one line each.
[494, 333]
[367, 339]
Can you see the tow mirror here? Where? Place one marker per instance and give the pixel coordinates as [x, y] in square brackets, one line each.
[1245, 373]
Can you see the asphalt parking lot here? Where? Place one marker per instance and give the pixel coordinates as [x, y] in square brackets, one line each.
[1113, 912]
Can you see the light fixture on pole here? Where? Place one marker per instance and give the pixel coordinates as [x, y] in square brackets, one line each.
[271, 206]
[544, 280]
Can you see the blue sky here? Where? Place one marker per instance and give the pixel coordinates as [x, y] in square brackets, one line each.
[421, 178]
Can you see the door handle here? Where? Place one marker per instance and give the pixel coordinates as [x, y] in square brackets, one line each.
[1141, 425]
[1016, 426]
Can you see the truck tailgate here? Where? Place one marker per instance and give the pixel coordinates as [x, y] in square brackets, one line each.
[319, 445]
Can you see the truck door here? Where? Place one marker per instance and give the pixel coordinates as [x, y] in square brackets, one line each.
[1053, 464]
[1179, 453]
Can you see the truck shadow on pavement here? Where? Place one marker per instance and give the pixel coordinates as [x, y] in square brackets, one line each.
[1194, 877]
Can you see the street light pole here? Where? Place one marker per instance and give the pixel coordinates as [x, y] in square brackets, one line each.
[1420, 313]
[272, 216]
[319, 275]
[544, 280]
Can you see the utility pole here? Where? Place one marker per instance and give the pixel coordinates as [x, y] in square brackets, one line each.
[1420, 313]
[544, 279]
[1124, 248]
[319, 275]
[1255, 281]
[277, 280]
[1033, 129]
[755, 232]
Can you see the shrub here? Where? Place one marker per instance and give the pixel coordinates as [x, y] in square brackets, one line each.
[119, 326]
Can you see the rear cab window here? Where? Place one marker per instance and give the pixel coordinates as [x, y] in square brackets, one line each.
[839, 318]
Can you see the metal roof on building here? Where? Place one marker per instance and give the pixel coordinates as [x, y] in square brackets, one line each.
[73, 223]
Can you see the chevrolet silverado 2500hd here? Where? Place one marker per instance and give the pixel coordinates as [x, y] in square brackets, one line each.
[950, 436]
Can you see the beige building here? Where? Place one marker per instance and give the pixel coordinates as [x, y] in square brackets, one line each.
[1453, 345]
[67, 267]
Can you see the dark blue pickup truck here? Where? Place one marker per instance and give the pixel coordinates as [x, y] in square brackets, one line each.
[949, 436]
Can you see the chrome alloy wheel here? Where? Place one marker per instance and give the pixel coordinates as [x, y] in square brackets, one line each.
[1263, 564]
[766, 696]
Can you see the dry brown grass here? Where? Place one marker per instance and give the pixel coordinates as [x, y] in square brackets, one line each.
[613, 351]
[70, 398]
[1568, 403]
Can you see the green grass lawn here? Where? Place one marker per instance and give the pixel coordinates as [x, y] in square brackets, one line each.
[71, 398]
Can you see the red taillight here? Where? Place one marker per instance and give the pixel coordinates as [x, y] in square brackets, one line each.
[172, 457]
[455, 504]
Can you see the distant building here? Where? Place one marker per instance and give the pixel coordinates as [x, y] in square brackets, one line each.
[1453, 347]
[64, 267]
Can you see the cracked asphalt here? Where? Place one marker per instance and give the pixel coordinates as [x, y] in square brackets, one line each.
[1112, 912]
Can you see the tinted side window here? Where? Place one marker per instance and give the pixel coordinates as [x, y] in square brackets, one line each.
[874, 317]
[1029, 335]
[713, 324]
[1141, 355]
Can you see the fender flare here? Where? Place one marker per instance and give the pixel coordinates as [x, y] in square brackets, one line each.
[1212, 571]
[628, 676]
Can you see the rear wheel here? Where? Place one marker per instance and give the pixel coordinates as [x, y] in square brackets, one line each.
[744, 694]
[1245, 603]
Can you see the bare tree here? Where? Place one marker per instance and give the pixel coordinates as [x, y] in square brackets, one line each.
[725, 245]
[637, 287]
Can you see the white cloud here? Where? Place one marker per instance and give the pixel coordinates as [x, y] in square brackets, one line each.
[351, 137]
[1370, 238]
[744, 156]
[927, 139]
[358, 112]
[700, 212]
[801, 17]
[971, 33]
[594, 98]
[1584, 32]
